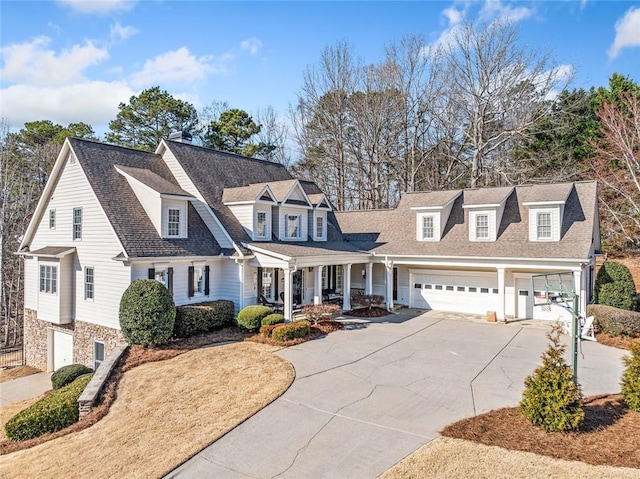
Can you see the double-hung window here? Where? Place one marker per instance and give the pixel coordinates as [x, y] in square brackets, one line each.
[48, 279]
[319, 227]
[173, 222]
[198, 281]
[427, 227]
[292, 226]
[544, 225]
[77, 223]
[482, 227]
[261, 224]
[89, 288]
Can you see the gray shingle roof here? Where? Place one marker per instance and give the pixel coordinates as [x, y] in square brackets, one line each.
[242, 193]
[539, 193]
[212, 171]
[311, 248]
[154, 181]
[394, 231]
[127, 216]
[433, 198]
[486, 196]
[52, 251]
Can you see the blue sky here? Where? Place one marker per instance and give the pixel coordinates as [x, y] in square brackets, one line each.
[76, 60]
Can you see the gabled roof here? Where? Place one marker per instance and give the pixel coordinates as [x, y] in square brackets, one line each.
[212, 171]
[556, 193]
[125, 213]
[50, 251]
[154, 181]
[486, 196]
[245, 193]
[393, 232]
[432, 199]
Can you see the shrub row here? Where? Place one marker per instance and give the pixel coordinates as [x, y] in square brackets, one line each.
[615, 286]
[272, 319]
[296, 329]
[614, 321]
[250, 318]
[192, 319]
[67, 374]
[51, 413]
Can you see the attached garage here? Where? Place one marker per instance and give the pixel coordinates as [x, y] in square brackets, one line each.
[458, 291]
[62, 349]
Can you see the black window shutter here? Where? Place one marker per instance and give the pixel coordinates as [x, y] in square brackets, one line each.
[170, 280]
[152, 273]
[206, 280]
[191, 281]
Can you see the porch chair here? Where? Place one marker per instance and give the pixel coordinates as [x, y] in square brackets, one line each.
[586, 329]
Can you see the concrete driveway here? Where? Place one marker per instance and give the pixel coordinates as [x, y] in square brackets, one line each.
[367, 396]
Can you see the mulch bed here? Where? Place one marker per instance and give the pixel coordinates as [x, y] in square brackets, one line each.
[609, 434]
[615, 341]
[137, 355]
[374, 312]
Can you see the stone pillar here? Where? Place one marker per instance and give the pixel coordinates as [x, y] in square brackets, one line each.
[368, 285]
[389, 284]
[346, 283]
[288, 294]
[501, 295]
[317, 285]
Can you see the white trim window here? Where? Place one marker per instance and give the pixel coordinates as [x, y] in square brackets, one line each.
[543, 225]
[48, 279]
[161, 276]
[173, 222]
[89, 284]
[77, 224]
[339, 276]
[52, 219]
[98, 354]
[292, 226]
[319, 226]
[267, 283]
[261, 224]
[428, 232]
[198, 281]
[482, 226]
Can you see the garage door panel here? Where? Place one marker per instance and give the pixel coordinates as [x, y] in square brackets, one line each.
[455, 292]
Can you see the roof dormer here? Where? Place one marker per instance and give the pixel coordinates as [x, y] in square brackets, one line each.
[433, 213]
[546, 210]
[165, 204]
[486, 207]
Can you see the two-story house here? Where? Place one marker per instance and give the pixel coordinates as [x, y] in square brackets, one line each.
[213, 225]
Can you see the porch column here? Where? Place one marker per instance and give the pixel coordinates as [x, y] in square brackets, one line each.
[368, 284]
[582, 300]
[389, 284]
[317, 285]
[241, 267]
[500, 313]
[288, 294]
[346, 283]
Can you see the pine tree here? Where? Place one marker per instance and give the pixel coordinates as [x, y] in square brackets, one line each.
[631, 377]
[551, 400]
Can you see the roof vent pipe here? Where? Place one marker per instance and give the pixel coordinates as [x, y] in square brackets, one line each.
[181, 137]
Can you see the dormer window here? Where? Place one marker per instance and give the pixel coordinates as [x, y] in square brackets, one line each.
[543, 225]
[292, 226]
[427, 227]
[319, 226]
[173, 222]
[261, 224]
[482, 227]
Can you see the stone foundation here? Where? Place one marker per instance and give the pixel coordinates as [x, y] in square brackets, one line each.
[36, 340]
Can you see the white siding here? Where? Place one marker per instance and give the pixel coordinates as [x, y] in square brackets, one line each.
[66, 289]
[201, 207]
[230, 282]
[403, 285]
[49, 303]
[244, 215]
[555, 222]
[250, 285]
[303, 223]
[31, 281]
[98, 246]
[296, 193]
[150, 201]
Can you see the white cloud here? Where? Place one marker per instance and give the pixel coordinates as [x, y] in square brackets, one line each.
[179, 66]
[252, 45]
[35, 64]
[93, 102]
[122, 32]
[496, 10]
[627, 32]
[453, 15]
[99, 7]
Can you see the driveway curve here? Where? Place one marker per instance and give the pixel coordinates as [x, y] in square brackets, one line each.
[369, 395]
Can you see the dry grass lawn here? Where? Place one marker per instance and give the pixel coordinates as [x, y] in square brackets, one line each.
[15, 373]
[165, 412]
[448, 458]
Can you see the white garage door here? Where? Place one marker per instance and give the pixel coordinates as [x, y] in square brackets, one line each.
[470, 293]
[62, 349]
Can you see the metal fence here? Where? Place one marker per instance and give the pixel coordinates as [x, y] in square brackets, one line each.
[11, 356]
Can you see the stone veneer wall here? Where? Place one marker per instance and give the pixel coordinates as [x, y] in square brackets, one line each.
[36, 339]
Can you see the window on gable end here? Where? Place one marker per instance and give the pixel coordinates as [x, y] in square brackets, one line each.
[52, 219]
[77, 224]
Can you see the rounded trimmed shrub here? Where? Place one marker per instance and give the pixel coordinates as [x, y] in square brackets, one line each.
[147, 313]
[551, 400]
[631, 377]
[250, 318]
[192, 319]
[615, 286]
[273, 318]
[267, 329]
[51, 413]
[286, 331]
[67, 374]
[614, 321]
